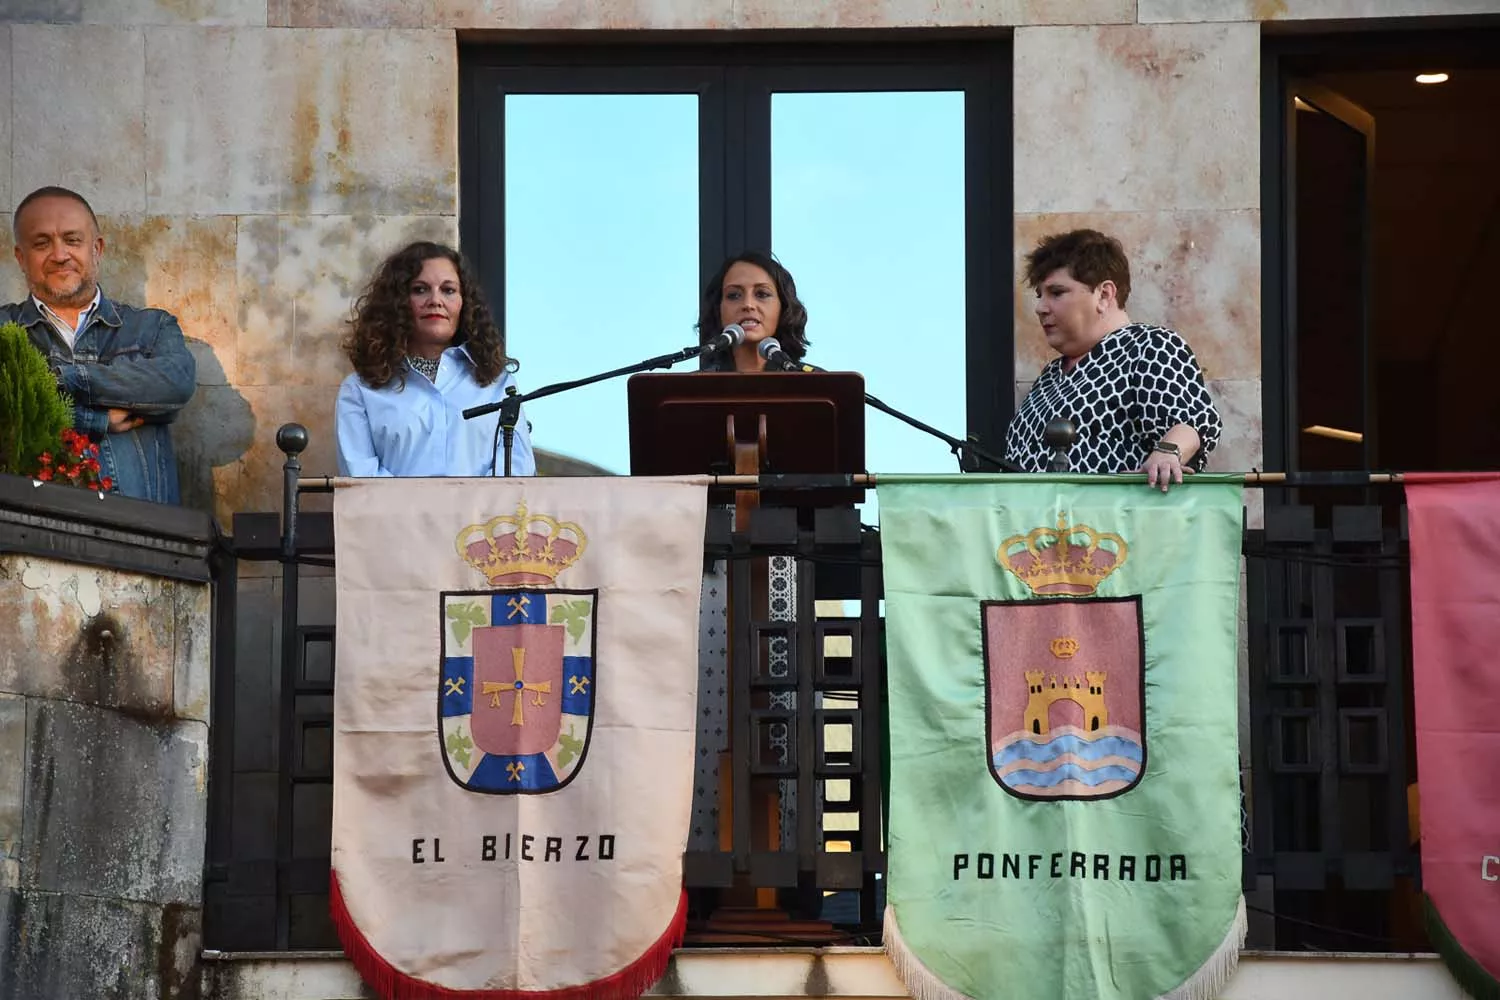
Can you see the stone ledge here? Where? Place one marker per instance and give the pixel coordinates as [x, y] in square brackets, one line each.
[846, 972]
[91, 529]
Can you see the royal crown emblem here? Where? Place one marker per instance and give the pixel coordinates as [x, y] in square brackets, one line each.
[1067, 560]
[523, 548]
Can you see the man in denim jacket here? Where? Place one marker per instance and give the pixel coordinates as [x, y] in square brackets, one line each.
[128, 370]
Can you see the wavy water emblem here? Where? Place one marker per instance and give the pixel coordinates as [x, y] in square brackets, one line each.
[1069, 762]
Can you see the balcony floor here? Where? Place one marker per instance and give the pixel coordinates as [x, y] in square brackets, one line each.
[850, 972]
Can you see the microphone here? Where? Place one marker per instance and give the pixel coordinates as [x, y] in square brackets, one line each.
[729, 338]
[778, 359]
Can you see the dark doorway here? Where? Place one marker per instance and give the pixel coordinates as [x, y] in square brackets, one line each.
[1379, 252]
[1381, 233]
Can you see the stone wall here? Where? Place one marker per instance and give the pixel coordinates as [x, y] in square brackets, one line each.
[252, 159]
[104, 706]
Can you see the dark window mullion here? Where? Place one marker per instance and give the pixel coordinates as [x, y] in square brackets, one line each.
[755, 156]
[990, 348]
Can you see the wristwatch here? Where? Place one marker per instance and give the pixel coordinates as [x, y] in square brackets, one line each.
[1169, 448]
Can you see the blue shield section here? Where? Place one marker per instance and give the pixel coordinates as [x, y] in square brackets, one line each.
[456, 693]
[519, 607]
[529, 773]
[578, 685]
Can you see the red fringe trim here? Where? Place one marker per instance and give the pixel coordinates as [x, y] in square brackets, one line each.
[627, 984]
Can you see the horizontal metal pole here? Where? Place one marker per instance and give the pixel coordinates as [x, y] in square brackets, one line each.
[836, 481]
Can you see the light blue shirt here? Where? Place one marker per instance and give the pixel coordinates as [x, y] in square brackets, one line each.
[420, 430]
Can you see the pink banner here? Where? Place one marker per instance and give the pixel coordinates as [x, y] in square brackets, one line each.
[1455, 611]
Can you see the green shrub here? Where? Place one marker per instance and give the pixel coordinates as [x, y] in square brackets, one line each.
[33, 412]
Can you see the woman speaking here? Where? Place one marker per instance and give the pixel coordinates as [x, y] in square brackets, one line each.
[754, 291]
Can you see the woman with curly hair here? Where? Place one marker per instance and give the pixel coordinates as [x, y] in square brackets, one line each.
[755, 291]
[425, 348]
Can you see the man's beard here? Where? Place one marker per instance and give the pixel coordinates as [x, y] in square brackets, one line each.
[81, 295]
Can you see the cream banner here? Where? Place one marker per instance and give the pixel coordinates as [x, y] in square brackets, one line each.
[513, 732]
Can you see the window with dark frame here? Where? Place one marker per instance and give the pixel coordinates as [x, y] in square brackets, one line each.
[736, 87]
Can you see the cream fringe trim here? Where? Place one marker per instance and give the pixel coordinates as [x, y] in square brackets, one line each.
[919, 980]
[1205, 984]
[1213, 975]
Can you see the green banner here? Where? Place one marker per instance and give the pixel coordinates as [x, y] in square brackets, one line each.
[1064, 793]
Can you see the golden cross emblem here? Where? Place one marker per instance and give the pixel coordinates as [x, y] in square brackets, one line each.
[455, 685]
[580, 684]
[517, 606]
[519, 686]
[514, 769]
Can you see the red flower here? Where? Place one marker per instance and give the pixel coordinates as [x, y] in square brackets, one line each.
[44, 474]
[106, 483]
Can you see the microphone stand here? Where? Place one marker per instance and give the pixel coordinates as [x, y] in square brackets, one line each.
[510, 406]
[967, 452]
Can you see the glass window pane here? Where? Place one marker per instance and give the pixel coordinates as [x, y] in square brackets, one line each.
[867, 196]
[601, 253]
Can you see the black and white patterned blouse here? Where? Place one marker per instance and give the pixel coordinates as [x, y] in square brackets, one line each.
[1123, 395]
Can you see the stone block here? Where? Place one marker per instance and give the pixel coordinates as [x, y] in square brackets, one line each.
[318, 122]
[925, 14]
[82, 130]
[86, 634]
[1241, 447]
[53, 11]
[12, 786]
[254, 483]
[565, 15]
[185, 265]
[115, 806]
[299, 277]
[1131, 118]
[1196, 272]
[1175, 11]
[5, 150]
[211, 435]
[710, 15]
[83, 946]
[12, 285]
[192, 670]
[203, 13]
[357, 13]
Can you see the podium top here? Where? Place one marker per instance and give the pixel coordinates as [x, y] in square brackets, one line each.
[814, 421]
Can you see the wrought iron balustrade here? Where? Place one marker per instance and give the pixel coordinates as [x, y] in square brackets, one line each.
[1328, 864]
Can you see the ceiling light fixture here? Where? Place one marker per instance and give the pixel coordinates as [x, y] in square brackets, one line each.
[1432, 77]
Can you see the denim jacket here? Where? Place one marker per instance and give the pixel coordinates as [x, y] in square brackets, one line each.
[126, 358]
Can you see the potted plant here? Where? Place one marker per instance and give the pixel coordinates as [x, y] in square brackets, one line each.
[36, 420]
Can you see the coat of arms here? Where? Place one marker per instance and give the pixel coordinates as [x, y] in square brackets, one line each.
[516, 688]
[1065, 697]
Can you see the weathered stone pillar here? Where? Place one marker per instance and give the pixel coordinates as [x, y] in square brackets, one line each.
[105, 622]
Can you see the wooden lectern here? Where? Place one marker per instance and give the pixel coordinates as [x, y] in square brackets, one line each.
[747, 424]
[766, 423]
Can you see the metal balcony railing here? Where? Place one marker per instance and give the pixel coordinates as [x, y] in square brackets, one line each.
[787, 843]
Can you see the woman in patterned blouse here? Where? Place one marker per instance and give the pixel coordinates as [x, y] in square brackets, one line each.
[1134, 392]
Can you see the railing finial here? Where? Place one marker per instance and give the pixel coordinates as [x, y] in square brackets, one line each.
[291, 439]
[1059, 435]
